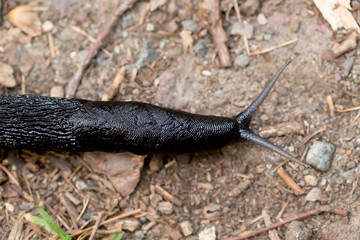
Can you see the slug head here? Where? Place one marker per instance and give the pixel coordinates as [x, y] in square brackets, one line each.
[244, 119]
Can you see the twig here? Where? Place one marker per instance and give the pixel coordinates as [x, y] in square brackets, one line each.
[266, 50]
[322, 209]
[124, 215]
[2, 167]
[74, 82]
[349, 109]
[96, 226]
[211, 12]
[290, 182]
[307, 138]
[90, 38]
[330, 103]
[278, 216]
[167, 195]
[273, 235]
[238, 15]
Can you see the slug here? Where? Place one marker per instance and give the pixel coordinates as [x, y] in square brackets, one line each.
[63, 124]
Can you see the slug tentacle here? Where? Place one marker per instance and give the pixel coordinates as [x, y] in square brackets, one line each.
[244, 119]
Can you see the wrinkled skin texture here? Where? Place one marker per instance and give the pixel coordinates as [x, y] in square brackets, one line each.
[44, 123]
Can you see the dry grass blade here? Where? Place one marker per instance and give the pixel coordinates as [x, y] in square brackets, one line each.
[16, 230]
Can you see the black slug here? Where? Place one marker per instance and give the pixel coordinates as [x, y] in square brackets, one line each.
[45, 123]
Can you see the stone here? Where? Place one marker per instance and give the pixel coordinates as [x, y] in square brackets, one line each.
[320, 155]
[261, 19]
[297, 231]
[242, 60]
[190, 25]
[313, 195]
[311, 180]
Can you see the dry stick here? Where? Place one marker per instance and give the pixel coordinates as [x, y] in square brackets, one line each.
[349, 109]
[124, 215]
[2, 167]
[74, 82]
[307, 138]
[266, 50]
[96, 226]
[290, 182]
[211, 12]
[238, 15]
[322, 209]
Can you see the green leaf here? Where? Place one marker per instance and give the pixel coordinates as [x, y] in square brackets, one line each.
[56, 229]
[117, 236]
[36, 220]
[47, 222]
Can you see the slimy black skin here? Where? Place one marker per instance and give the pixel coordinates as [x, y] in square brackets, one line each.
[46, 123]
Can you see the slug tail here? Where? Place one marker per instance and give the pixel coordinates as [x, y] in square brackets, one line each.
[248, 135]
[244, 117]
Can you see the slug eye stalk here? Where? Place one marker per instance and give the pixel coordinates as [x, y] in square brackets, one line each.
[244, 119]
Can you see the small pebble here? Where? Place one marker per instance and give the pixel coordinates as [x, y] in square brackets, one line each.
[131, 224]
[200, 49]
[186, 228]
[6, 75]
[208, 234]
[297, 231]
[57, 91]
[124, 34]
[165, 207]
[242, 60]
[313, 195]
[9, 207]
[47, 26]
[139, 234]
[190, 25]
[155, 199]
[82, 55]
[311, 180]
[206, 73]
[320, 155]
[267, 37]
[261, 19]
[150, 27]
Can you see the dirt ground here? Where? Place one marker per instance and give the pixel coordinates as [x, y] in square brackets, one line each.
[227, 188]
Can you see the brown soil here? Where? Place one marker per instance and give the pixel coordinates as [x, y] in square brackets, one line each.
[227, 188]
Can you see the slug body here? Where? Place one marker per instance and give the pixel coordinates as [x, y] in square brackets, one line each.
[45, 123]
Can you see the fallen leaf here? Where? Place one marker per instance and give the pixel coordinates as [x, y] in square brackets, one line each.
[155, 4]
[122, 169]
[6, 75]
[187, 40]
[26, 18]
[337, 14]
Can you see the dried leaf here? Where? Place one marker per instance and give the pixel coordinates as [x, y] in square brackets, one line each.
[187, 40]
[337, 13]
[122, 169]
[154, 4]
[6, 75]
[25, 17]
